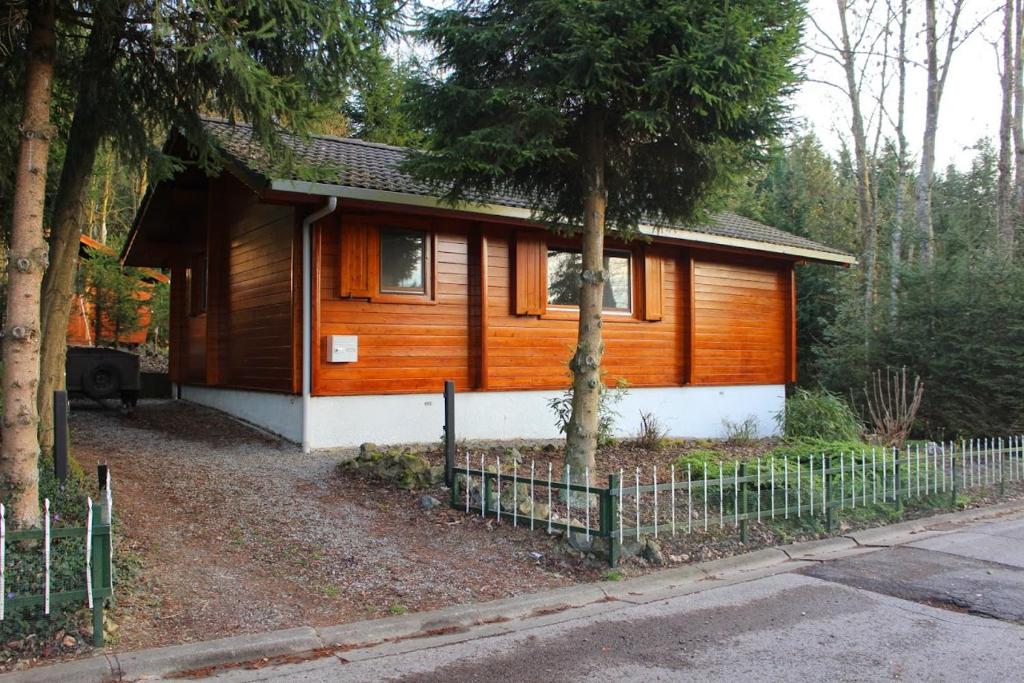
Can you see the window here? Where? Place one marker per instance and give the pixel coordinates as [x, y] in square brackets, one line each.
[403, 261]
[565, 267]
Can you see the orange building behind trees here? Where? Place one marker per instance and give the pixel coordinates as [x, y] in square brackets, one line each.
[83, 328]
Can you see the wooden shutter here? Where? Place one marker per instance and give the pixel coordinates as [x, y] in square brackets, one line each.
[531, 275]
[653, 287]
[356, 266]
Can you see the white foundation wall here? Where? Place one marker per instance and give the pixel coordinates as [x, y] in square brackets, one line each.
[696, 412]
[277, 413]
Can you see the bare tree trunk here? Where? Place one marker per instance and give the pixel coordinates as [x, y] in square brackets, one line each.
[105, 201]
[865, 214]
[19, 453]
[1018, 116]
[937, 70]
[1005, 206]
[896, 239]
[582, 430]
[87, 129]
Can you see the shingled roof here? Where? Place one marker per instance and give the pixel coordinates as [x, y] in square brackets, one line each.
[349, 163]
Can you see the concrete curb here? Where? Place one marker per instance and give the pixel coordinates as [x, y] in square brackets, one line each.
[157, 662]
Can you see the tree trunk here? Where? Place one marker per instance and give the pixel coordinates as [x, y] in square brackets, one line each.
[105, 200]
[19, 453]
[923, 186]
[87, 129]
[1018, 117]
[896, 239]
[1005, 223]
[582, 430]
[865, 213]
[937, 71]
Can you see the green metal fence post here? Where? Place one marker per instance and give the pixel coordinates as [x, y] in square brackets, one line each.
[1002, 469]
[743, 503]
[952, 463]
[486, 501]
[100, 569]
[898, 465]
[455, 491]
[611, 495]
[827, 498]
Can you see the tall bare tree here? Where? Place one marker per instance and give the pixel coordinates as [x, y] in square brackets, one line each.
[902, 160]
[19, 453]
[1005, 204]
[856, 53]
[937, 67]
[1018, 113]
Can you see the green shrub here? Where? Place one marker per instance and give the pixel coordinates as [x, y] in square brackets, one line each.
[25, 574]
[607, 414]
[801, 450]
[701, 460]
[818, 414]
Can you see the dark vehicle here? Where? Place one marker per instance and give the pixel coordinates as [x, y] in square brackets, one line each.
[103, 374]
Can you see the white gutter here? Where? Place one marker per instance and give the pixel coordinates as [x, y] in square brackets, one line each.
[307, 311]
[345, 192]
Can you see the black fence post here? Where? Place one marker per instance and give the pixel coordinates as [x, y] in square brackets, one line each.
[101, 475]
[60, 435]
[449, 432]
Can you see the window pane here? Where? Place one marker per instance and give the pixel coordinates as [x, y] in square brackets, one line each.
[402, 263]
[564, 268]
[616, 287]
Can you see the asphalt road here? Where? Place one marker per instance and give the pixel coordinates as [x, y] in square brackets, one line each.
[949, 608]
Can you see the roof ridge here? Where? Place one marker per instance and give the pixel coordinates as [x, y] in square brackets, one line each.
[317, 136]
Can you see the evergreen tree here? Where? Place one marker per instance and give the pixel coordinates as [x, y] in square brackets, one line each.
[603, 113]
[154, 66]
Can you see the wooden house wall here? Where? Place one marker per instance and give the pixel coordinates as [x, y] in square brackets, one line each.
[741, 321]
[700, 317]
[245, 339]
[472, 332]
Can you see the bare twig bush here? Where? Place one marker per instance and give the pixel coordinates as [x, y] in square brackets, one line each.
[651, 436]
[892, 404]
[742, 433]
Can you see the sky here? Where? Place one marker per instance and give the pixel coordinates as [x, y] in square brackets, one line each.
[970, 103]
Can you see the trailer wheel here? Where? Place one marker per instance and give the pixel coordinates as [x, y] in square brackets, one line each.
[102, 381]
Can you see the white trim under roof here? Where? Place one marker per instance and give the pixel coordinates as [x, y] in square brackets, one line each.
[346, 192]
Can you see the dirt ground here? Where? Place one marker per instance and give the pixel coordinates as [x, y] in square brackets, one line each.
[236, 532]
[231, 531]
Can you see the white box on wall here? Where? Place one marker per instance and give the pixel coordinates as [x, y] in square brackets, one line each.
[343, 348]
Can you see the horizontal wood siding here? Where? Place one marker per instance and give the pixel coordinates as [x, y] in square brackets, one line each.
[259, 318]
[741, 322]
[403, 347]
[529, 352]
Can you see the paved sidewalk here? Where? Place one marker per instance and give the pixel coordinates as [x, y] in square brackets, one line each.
[739, 616]
[916, 622]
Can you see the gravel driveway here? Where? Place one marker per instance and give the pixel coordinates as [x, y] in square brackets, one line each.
[234, 531]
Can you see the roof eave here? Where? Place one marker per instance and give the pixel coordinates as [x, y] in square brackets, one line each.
[692, 236]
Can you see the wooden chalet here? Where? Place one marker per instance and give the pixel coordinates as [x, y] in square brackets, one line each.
[331, 311]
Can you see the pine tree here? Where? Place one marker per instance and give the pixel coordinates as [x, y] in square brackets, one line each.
[150, 67]
[603, 113]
